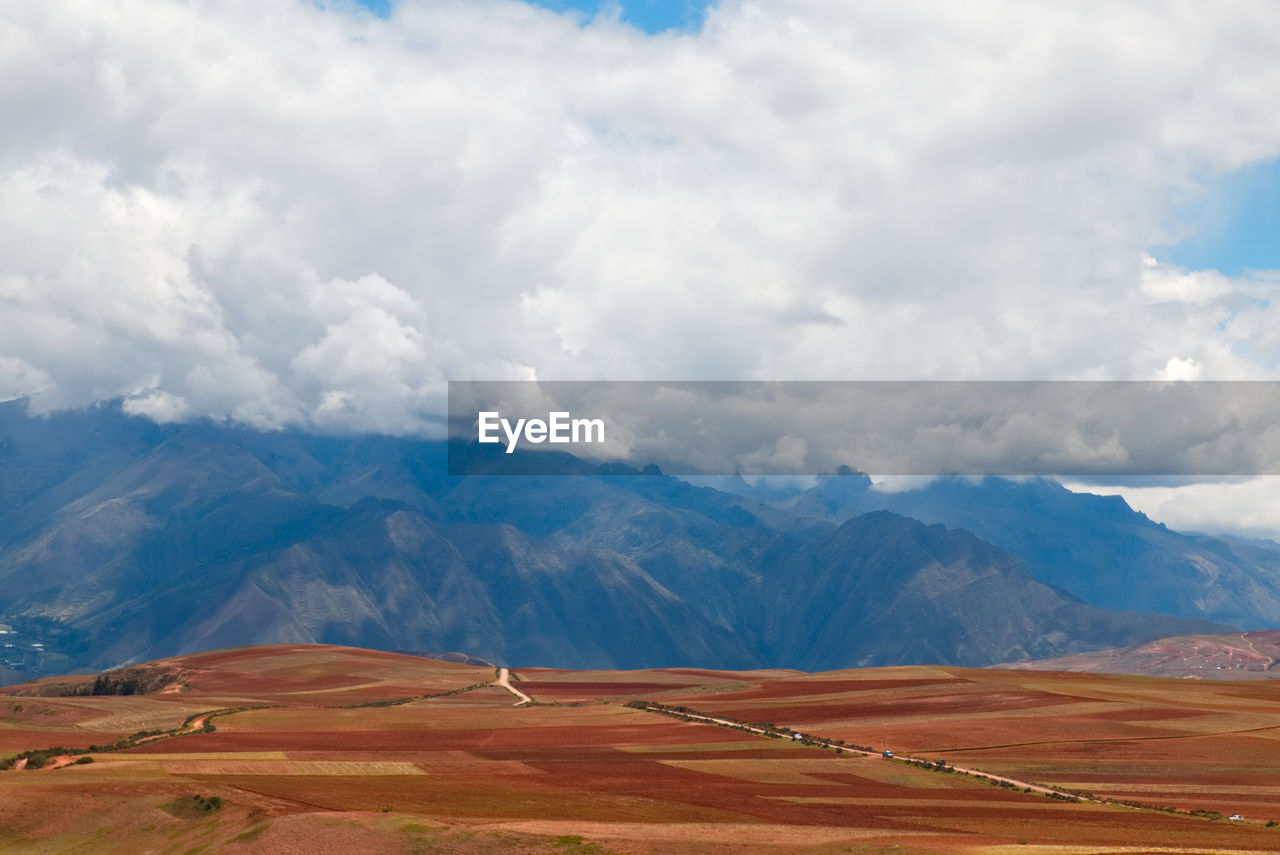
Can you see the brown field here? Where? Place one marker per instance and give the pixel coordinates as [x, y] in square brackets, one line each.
[1187, 744]
[307, 770]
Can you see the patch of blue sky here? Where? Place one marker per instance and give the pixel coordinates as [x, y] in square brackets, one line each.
[1234, 224]
[381, 8]
[650, 16]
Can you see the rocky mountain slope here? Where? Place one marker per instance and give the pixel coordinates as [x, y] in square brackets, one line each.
[122, 541]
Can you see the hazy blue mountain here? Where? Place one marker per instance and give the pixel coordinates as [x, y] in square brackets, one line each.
[890, 589]
[122, 541]
[1094, 547]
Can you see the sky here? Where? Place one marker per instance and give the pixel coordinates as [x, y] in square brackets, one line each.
[310, 214]
[1233, 224]
[650, 16]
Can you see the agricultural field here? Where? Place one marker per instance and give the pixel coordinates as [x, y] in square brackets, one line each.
[1193, 745]
[314, 749]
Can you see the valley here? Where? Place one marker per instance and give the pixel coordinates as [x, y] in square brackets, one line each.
[380, 752]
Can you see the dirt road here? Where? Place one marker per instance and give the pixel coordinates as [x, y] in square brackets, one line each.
[822, 743]
[504, 680]
[1271, 660]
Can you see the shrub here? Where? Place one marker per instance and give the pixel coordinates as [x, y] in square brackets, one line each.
[192, 807]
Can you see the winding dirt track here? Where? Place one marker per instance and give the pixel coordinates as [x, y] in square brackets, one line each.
[191, 727]
[504, 680]
[1244, 636]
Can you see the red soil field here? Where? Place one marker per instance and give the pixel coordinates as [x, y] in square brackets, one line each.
[1160, 741]
[306, 769]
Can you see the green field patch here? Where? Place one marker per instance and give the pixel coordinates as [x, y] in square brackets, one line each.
[788, 772]
[888, 772]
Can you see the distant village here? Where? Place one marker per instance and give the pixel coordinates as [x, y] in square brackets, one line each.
[25, 653]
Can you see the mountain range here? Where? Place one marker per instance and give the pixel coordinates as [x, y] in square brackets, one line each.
[122, 541]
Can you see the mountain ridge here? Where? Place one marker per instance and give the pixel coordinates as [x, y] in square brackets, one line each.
[129, 540]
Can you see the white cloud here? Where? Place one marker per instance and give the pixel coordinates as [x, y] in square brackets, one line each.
[266, 211]
[1244, 507]
[158, 405]
[1166, 283]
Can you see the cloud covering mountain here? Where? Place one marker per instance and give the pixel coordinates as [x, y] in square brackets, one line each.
[288, 213]
[121, 541]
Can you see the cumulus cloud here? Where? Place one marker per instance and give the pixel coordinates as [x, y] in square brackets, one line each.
[284, 213]
[1243, 507]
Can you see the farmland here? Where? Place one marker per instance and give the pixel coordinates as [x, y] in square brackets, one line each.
[340, 749]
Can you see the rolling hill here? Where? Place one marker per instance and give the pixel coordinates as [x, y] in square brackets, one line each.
[1238, 656]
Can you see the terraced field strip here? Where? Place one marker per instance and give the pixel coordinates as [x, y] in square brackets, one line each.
[1104, 739]
[322, 768]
